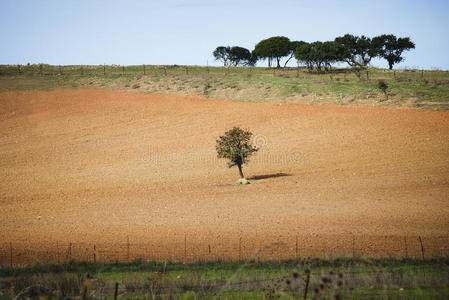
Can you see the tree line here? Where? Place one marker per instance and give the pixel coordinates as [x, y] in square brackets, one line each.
[356, 51]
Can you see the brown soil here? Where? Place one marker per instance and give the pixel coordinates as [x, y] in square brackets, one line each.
[95, 167]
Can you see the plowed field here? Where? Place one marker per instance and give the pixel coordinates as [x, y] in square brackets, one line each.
[137, 176]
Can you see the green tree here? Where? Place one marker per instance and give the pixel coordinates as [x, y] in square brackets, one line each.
[235, 146]
[222, 53]
[330, 52]
[391, 48]
[274, 48]
[239, 55]
[293, 46]
[356, 51]
[303, 55]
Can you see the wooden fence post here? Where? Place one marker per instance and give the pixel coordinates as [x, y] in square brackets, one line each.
[144, 71]
[127, 249]
[353, 246]
[307, 284]
[123, 69]
[95, 254]
[104, 69]
[116, 291]
[240, 249]
[296, 247]
[57, 252]
[10, 255]
[406, 248]
[185, 248]
[70, 252]
[422, 247]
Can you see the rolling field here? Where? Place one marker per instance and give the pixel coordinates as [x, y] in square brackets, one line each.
[137, 176]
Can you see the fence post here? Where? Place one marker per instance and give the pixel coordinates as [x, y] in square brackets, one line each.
[406, 249]
[104, 69]
[353, 246]
[116, 291]
[127, 248]
[95, 254]
[307, 284]
[57, 252]
[10, 255]
[70, 252]
[144, 71]
[41, 69]
[296, 247]
[240, 249]
[422, 247]
[185, 248]
[123, 69]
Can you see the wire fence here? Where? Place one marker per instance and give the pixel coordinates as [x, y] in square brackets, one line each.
[172, 70]
[189, 249]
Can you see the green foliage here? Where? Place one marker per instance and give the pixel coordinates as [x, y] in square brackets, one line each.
[273, 48]
[222, 53]
[391, 48]
[234, 56]
[235, 146]
[383, 86]
[361, 279]
[240, 55]
[356, 51]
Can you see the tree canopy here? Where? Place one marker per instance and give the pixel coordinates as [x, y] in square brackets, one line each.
[274, 48]
[235, 146]
[233, 56]
[391, 48]
[356, 51]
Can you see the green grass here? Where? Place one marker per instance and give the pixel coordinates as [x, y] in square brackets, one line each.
[412, 88]
[360, 279]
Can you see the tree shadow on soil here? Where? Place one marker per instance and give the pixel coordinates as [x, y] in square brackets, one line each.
[266, 176]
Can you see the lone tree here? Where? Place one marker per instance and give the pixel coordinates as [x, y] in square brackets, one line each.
[235, 145]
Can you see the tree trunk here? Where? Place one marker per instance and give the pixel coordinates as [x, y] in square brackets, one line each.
[291, 56]
[390, 64]
[240, 171]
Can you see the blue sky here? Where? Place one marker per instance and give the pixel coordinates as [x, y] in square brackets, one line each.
[186, 32]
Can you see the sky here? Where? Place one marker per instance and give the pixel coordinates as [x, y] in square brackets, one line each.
[134, 32]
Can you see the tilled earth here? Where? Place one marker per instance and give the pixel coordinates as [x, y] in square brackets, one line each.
[137, 176]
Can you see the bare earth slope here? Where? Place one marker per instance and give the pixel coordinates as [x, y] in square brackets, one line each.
[103, 167]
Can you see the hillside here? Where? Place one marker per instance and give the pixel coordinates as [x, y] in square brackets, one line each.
[420, 89]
